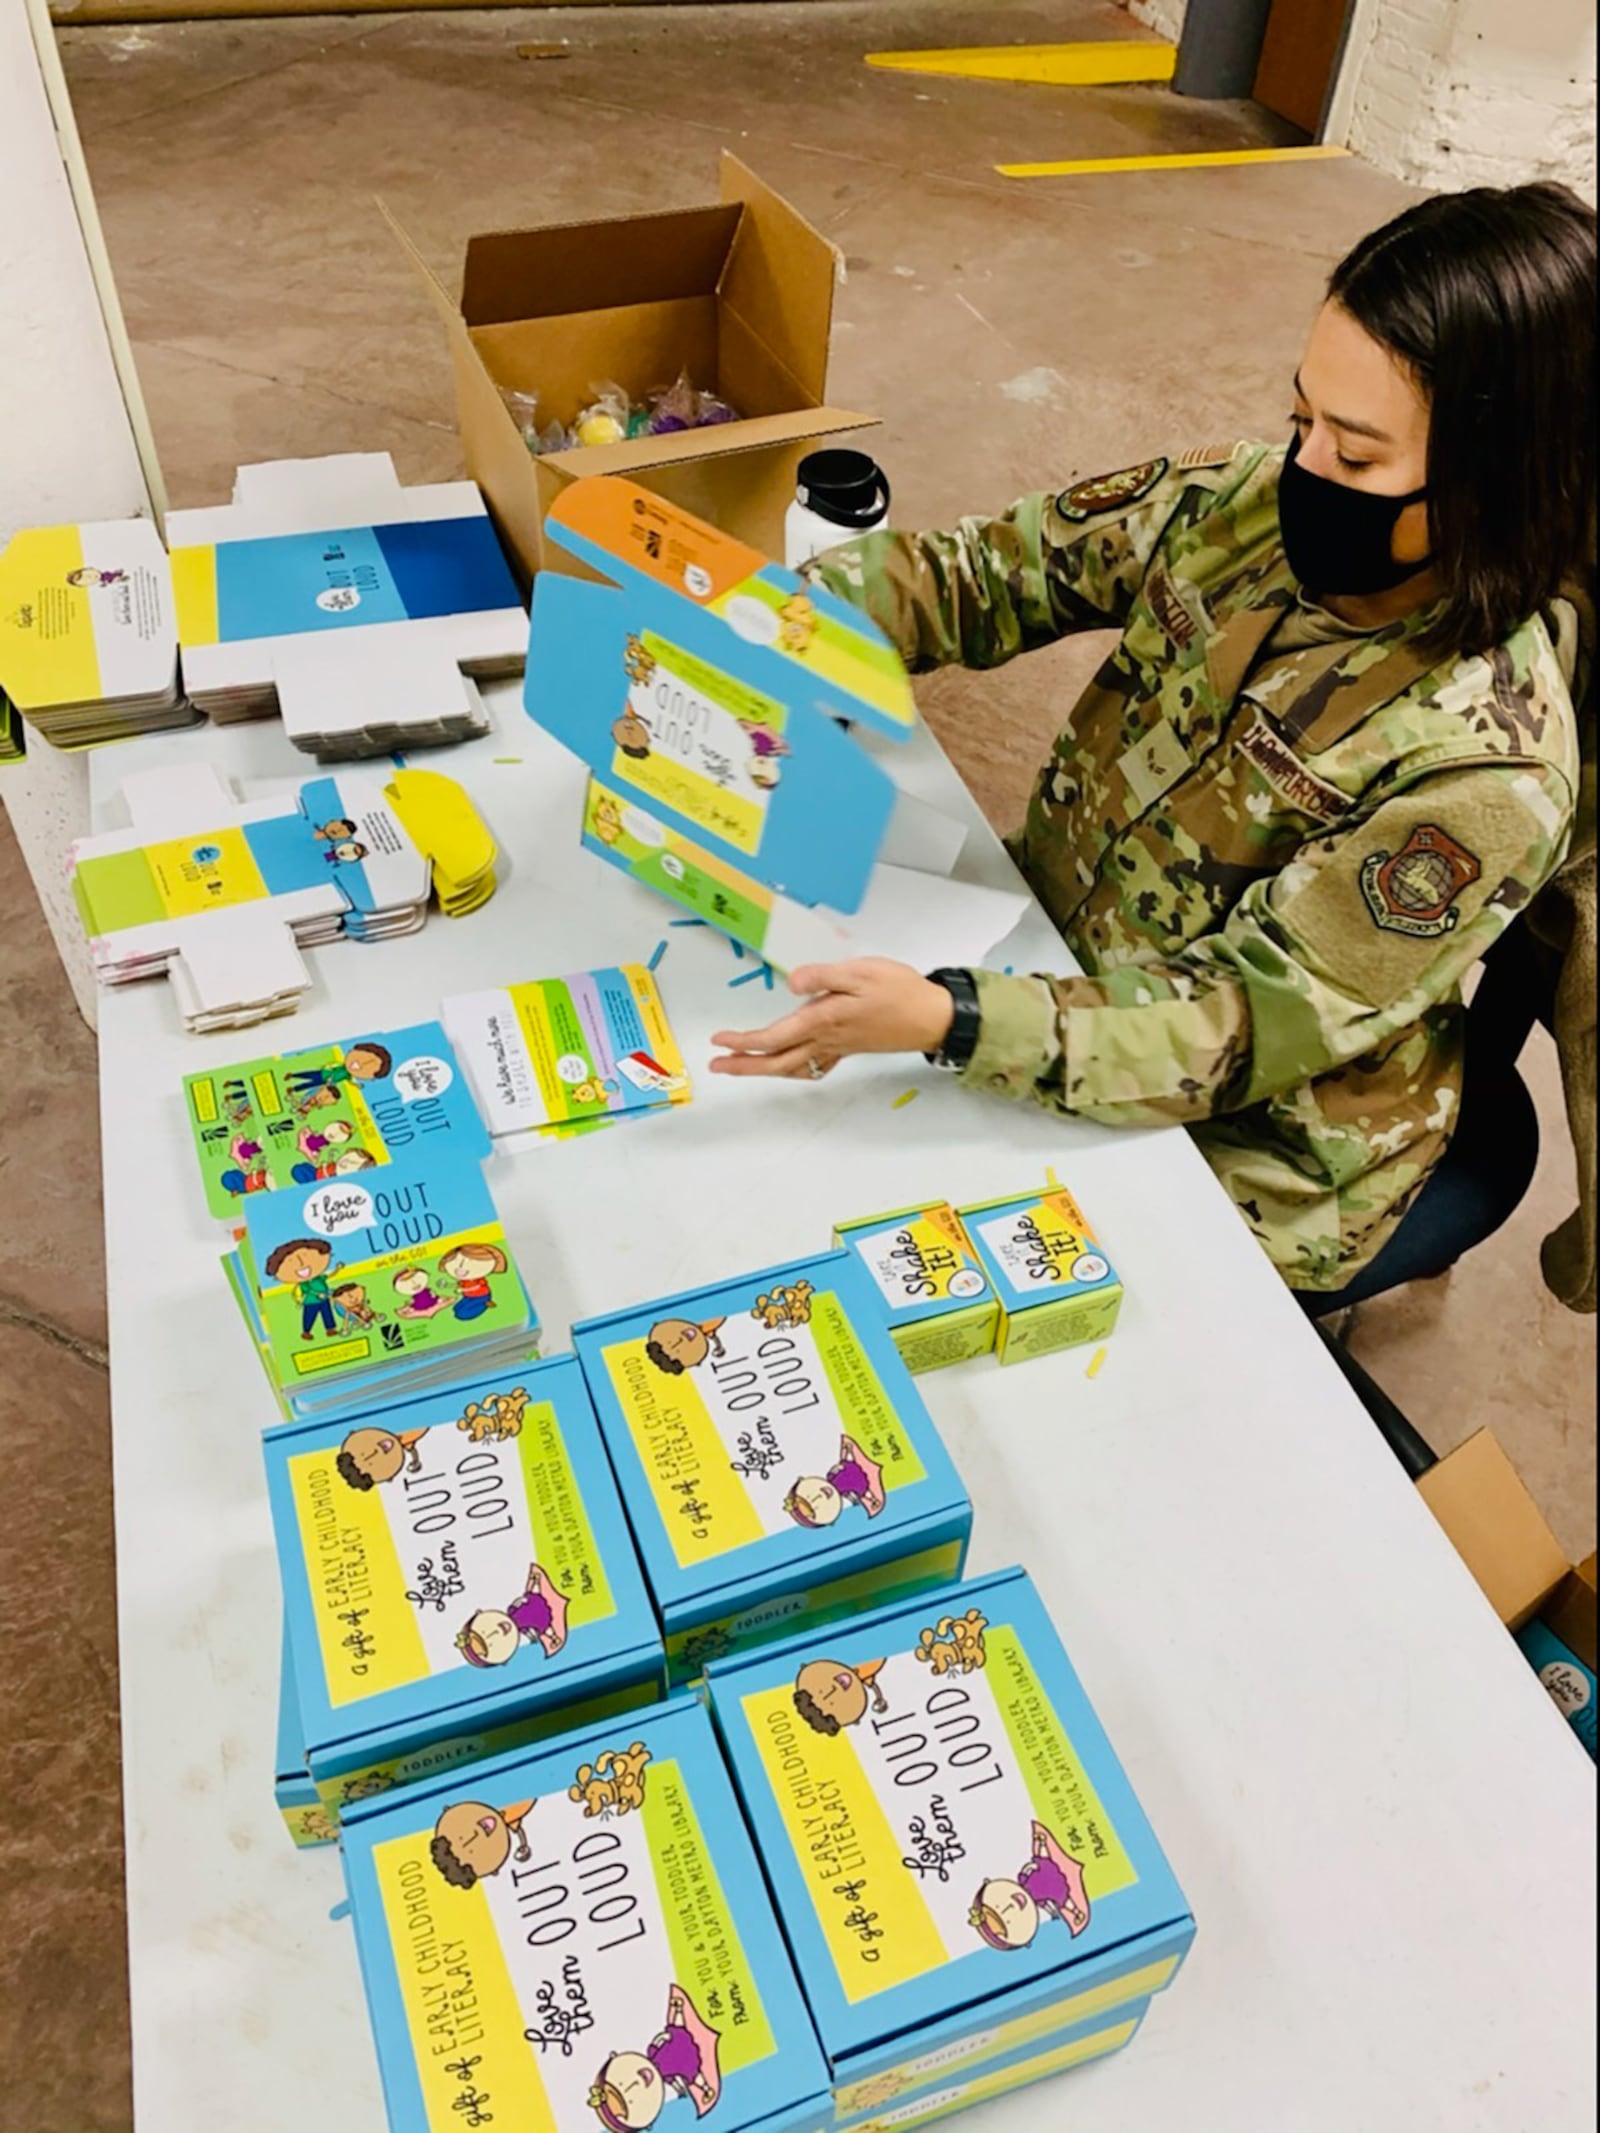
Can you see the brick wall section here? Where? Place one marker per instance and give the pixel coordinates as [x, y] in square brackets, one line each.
[1450, 93]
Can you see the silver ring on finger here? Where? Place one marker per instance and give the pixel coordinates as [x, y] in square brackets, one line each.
[815, 1069]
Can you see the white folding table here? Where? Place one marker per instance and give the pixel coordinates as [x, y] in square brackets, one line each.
[1385, 1830]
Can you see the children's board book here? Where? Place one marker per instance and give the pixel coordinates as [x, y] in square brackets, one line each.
[88, 642]
[356, 607]
[221, 893]
[1056, 1286]
[577, 1939]
[458, 1578]
[774, 1454]
[558, 1053]
[713, 691]
[939, 1302]
[329, 1111]
[401, 1275]
[987, 1874]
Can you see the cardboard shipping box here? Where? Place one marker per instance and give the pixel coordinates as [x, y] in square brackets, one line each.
[739, 296]
[1478, 1497]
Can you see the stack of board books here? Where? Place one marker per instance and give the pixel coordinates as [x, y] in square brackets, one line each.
[326, 1111]
[88, 639]
[385, 1281]
[556, 1056]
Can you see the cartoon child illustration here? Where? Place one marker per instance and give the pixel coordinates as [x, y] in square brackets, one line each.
[830, 1696]
[321, 1085]
[346, 853]
[352, 1160]
[678, 1344]
[818, 1499]
[369, 1457]
[632, 735]
[680, 2061]
[1051, 1885]
[411, 1282]
[472, 1841]
[305, 1262]
[331, 832]
[249, 1172]
[494, 1635]
[350, 1301]
[469, 1266]
[86, 577]
[320, 1151]
[766, 747]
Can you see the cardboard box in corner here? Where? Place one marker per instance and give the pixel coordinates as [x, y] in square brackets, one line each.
[738, 295]
[1478, 1497]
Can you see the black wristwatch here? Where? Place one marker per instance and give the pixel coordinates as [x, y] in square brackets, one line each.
[961, 1039]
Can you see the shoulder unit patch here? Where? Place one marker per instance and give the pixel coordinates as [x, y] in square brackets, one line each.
[1110, 492]
[1414, 890]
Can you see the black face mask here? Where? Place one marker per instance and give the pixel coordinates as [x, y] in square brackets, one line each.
[1337, 539]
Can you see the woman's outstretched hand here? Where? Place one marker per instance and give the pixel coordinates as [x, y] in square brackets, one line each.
[868, 1005]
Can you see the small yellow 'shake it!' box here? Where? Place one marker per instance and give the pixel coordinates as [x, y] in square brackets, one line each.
[1057, 1289]
[941, 1305]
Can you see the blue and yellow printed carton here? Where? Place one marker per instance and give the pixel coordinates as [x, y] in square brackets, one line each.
[900, 2112]
[775, 1457]
[940, 1304]
[306, 1819]
[577, 1939]
[958, 1861]
[1056, 1286]
[458, 1578]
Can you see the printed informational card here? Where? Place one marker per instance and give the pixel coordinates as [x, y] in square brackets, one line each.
[560, 1052]
[580, 1939]
[330, 1110]
[356, 1272]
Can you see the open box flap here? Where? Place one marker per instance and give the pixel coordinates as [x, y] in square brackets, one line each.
[782, 273]
[719, 441]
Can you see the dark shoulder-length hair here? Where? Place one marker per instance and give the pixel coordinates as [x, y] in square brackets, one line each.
[1489, 298]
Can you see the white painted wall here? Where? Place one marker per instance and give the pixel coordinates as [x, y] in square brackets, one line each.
[67, 442]
[1452, 93]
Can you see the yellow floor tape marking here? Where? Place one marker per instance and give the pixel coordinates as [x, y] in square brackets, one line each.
[1072, 65]
[1096, 166]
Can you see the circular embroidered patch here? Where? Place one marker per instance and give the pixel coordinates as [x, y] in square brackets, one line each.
[1110, 492]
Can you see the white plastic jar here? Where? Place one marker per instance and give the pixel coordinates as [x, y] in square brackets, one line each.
[838, 495]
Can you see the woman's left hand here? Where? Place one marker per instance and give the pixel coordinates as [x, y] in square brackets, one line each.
[869, 1005]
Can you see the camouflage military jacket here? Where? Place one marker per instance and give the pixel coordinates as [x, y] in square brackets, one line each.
[1275, 851]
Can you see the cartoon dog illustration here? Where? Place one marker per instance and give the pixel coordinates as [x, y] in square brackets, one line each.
[496, 1419]
[613, 1784]
[784, 1307]
[955, 1644]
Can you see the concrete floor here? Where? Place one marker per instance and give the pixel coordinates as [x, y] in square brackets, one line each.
[1011, 335]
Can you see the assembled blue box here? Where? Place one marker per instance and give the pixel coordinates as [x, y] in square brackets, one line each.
[458, 1578]
[578, 1937]
[958, 1860]
[774, 1455]
[901, 2109]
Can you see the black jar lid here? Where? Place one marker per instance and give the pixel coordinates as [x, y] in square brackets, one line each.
[846, 488]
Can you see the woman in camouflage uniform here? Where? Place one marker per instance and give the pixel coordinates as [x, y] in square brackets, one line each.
[1332, 756]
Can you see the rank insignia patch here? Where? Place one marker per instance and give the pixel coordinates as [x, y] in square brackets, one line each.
[1109, 492]
[1414, 890]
